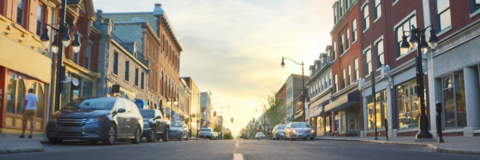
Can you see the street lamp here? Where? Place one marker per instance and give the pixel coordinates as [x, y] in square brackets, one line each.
[303, 80]
[420, 45]
[172, 101]
[57, 47]
[221, 113]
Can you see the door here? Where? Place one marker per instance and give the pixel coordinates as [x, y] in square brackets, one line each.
[120, 117]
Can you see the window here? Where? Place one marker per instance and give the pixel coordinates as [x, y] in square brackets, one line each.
[380, 57]
[475, 5]
[344, 80]
[454, 100]
[443, 14]
[336, 83]
[88, 54]
[349, 74]
[405, 26]
[366, 18]
[408, 105]
[142, 80]
[378, 9]
[87, 88]
[40, 103]
[330, 79]
[380, 109]
[115, 63]
[368, 61]
[334, 51]
[21, 5]
[346, 4]
[334, 15]
[347, 40]
[354, 30]
[136, 76]
[341, 8]
[355, 72]
[127, 68]
[342, 39]
[40, 18]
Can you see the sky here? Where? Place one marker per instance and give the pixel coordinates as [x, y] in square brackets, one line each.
[234, 48]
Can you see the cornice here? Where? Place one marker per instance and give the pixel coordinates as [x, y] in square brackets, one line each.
[347, 89]
[319, 72]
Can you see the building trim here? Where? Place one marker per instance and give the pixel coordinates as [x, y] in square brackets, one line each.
[129, 55]
[414, 13]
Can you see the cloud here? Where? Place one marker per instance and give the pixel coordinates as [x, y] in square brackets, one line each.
[234, 47]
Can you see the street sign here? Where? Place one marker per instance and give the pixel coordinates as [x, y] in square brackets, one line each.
[68, 79]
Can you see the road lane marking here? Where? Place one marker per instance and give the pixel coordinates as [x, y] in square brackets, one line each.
[237, 156]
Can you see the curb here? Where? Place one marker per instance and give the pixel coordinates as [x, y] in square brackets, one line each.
[432, 147]
[9, 151]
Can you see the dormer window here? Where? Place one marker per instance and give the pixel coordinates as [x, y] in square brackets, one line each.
[110, 28]
[135, 50]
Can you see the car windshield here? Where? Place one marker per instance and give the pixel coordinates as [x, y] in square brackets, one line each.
[91, 104]
[147, 113]
[260, 134]
[300, 125]
[177, 124]
[281, 127]
[206, 130]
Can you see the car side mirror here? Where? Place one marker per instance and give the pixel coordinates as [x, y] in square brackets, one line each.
[121, 110]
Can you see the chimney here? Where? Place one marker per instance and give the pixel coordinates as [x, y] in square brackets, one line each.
[157, 10]
[158, 4]
[99, 11]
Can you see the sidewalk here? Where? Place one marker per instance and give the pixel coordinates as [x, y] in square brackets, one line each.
[456, 145]
[20, 145]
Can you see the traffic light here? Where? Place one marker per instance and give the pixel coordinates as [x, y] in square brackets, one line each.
[232, 119]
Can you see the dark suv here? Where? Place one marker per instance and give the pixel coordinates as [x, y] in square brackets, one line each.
[100, 118]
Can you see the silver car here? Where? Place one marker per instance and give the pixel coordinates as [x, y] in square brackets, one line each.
[278, 132]
[298, 130]
[179, 130]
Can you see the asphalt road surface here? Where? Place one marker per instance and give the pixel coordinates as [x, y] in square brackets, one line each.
[235, 149]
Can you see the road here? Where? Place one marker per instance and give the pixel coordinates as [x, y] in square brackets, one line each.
[226, 149]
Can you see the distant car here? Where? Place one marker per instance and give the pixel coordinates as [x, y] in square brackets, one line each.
[278, 132]
[259, 136]
[214, 135]
[298, 130]
[205, 133]
[107, 119]
[179, 130]
[154, 125]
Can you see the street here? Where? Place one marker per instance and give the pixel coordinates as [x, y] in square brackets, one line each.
[225, 150]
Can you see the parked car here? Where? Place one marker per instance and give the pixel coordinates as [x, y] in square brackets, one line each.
[278, 132]
[298, 130]
[179, 130]
[214, 135]
[259, 136]
[95, 119]
[205, 133]
[154, 125]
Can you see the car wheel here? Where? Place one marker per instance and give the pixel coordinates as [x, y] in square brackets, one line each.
[292, 139]
[305, 139]
[55, 141]
[312, 138]
[186, 139]
[165, 135]
[138, 136]
[112, 135]
[180, 137]
[92, 141]
[153, 136]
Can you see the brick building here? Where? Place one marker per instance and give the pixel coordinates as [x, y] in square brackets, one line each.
[160, 46]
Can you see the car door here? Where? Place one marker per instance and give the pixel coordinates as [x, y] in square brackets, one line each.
[136, 118]
[129, 120]
[121, 119]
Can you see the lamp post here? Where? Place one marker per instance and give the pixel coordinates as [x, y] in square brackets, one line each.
[420, 45]
[172, 101]
[62, 34]
[221, 113]
[303, 80]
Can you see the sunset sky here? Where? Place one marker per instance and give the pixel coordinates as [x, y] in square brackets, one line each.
[234, 47]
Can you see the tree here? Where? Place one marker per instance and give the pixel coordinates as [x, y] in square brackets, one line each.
[228, 136]
[274, 108]
[218, 128]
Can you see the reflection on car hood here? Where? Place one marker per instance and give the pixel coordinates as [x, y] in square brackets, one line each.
[80, 113]
[175, 128]
[280, 131]
[301, 129]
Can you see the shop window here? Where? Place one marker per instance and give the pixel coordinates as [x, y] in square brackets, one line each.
[75, 93]
[380, 56]
[354, 30]
[366, 17]
[40, 103]
[11, 96]
[21, 12]
[380, 108]
[41, 11]
[65, 96]
[368, 61]
[115, 63]
[444, 20]
[454, 100]
[408, 105]
[20, 94]
[87, 88]
[475, 5]
[378, 9]
[404, 27]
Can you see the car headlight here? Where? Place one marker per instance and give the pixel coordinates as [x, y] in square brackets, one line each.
[93, 120]
[294, 131]
[53, 119]
[311, 131]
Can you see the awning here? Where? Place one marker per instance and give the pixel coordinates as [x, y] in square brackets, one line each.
[315, 111]
[21, 59]
[344, 101]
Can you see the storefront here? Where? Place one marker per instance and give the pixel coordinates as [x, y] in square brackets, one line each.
[377, 113]
[83, 83]
[345, 110]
